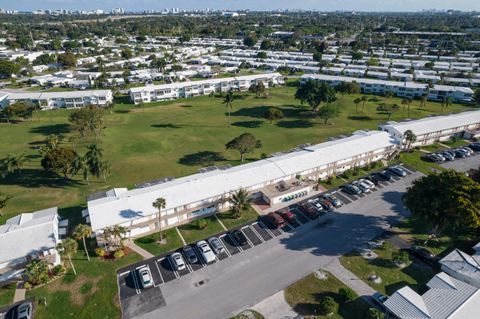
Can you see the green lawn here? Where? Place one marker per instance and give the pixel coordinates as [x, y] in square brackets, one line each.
[242, 315]
[6, 294]
[92, 294]
[191, 233]
[149, 242]
[414, 160]
[161, 139]
[415, 274]
[229, 220]
[305, 295]
[351, 176]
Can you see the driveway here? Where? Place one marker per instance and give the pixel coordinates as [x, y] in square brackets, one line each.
[464, 164]
[239, 282]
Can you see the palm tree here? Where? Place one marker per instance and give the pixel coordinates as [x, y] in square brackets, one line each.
[364, 100]
[13, 163]
[93, 158]
[446, 102]
[404, 103]
[159, 204]
[228, 100]
[118, 232]
[423, 100]
[80, 164]
[357, 101]
[241, 201]
[68, 247]
[410, 137]
[3, 201]
[409, 101]
[81, 232]
[105, 168]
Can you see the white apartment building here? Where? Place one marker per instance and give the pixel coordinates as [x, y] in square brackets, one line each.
[401, 89]
[196, 88]
[434, 129]
[26, 237]
[275, 179]
[56, 100]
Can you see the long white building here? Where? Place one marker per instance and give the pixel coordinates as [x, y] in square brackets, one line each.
[195, 88]
[401, 89]
[57, 100]
[273, 179]
[435, 129]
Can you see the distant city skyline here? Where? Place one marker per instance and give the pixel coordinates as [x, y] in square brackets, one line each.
[323, 5]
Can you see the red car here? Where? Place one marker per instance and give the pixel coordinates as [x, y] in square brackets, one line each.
[287, 215]
[276, 219]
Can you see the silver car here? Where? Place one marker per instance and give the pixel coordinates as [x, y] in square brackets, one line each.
[177, 261]
[216, 245]
[145, 277]
[24, 310]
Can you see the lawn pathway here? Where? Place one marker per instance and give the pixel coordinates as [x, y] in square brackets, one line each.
[20, 292]
[275, 307]
[139, 250]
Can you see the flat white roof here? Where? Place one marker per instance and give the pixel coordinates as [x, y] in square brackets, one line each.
[56, 95]
[136, 203]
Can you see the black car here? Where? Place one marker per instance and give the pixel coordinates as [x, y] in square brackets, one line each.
[351, 189]
[373, 179]
[239, 237]
[475, 147]
[460, 154]
[384, 176]
[190, 254]
[423, 254]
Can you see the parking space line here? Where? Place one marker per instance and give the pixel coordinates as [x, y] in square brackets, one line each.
[160, 273]
[225, 247]
[199, 255]
[256, 233]
[187, 264]
[248, 239]
[236, 243]
[175, 272]
[135, 282]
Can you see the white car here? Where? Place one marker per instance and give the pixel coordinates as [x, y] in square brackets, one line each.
[363, 187]
[145, 277]
[206, 252]
[177, 261]
[24, 310]
[367, 182]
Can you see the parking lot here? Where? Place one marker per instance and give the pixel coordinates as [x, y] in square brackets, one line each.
[134, 299]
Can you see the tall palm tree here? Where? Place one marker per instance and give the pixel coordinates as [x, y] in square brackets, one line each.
[357, 101]
[3, 201]
[241, 201]
[410, 137]
[404, 103]
[105, 169]
[13, 163]
[446, 102]
[80, 165]
[364, 100]
[118, 232]
[81, 232]
[228, 100]
[409, 101]
[68, 247]
[159, 204]
[94, 157]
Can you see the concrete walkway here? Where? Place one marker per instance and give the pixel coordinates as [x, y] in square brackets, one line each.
[19, 292]
[350, 280]
[275, 307]
[139, 250]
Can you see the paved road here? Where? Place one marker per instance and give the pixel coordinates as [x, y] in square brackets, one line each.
[243, 280]
[464, 164]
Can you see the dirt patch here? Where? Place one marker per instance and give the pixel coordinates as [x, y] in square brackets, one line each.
[75, 288]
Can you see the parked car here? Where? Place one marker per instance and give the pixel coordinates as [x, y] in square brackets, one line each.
[239, 237]
[190, 254]
[379, 299]
[287, 215]
[375, 180]
[475, 147]
[326, 203]
[397, 170]
[448, 156]
[177, 261]
[383, 175]
[276, 219]
[367, 182]
[333, 199]
[316, 203]
[433, 157]
[145, 277]
[350, 189]
[460, 154]
[363, 187]
[468, 150]
[216, 245]
[309, 210]
[24, 310]
[423, 254]
[206, 252]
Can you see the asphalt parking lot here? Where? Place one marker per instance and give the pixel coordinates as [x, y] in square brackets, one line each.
[136, 301]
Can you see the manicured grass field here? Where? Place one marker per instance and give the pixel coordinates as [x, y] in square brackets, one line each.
[229, 220]
[191, 233]
[149, 242]
[305, 295]
[414, 160]
[91, 294]
[161, 139]
[6, 294]
[415, 274]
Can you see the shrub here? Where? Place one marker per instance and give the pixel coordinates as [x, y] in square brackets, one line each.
[400, 257]
[347, 173]
[327, 305]
[100, 252]
[356, 171]
[58, 269]
[119, 254]
[347, 294]
[27, 285]
[202, 224]
[374, 313]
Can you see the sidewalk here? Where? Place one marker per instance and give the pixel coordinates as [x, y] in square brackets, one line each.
[139, 250]
[19, 292]
[275, 307]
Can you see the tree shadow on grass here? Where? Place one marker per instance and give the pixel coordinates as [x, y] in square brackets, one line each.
[360, 118]
[61, 128]
[259, 111]
[382, 262]
[295, 124]
[122, 111]
[27, 177]
[248, 124]
[166, 125]
[202, 158]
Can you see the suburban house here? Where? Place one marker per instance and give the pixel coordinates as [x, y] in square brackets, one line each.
[26, 237]
[280, 178]
[463, 266]
[435, 128]
[195, 88]
[57, 100]
[406, 89]
[446, 298]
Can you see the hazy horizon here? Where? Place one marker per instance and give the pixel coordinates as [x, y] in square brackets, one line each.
[323, 5]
